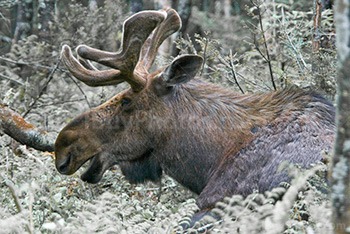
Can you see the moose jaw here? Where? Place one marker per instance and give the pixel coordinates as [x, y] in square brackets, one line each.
[211, 140]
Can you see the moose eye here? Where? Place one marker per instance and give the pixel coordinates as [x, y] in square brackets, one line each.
[125, 101]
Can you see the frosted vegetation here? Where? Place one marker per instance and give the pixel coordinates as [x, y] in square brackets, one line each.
[35, 198]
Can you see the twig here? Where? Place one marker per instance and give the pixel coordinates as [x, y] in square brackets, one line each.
[42, 89]
[191, 48]
[204, 54]
[293, 47]
[43, 67]
[61, 102]
[267, 58]
[82, 91]
[14, 195]
[234, 72]
[11, 186]
[159, 190]
[10, 79]
[30, 207]
[291, 42]
[237, 74]
[29, 64]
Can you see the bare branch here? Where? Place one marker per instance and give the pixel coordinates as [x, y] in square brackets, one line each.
[12, 124]
[59, 102]
[231, 65]
[10, 79]
[29, 64]
[204, 54]
[42, 89]
[11, 186]
[234, 72]
[267, 58]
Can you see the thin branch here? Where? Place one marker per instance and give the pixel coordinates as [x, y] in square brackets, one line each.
[81, 90]
[11, 186]
[267, 58]
[295, 49]
[45, 67]
[290, 40]
[160, 188]
[258, 49]
[234, 74]
[233, 70]
[59, 103]
[204, 55]
[10, 79]
[29, 64]
[42, 89]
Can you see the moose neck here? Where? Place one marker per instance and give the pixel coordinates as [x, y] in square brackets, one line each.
[206, 121]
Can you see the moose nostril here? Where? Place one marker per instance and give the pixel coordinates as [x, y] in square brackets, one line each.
[63, 167]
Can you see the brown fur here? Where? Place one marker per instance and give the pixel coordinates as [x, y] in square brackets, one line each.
[211, 140]
[196, 131]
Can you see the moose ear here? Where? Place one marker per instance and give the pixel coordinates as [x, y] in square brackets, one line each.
[182, 69]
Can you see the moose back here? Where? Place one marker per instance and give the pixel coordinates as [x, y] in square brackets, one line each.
[211, 140]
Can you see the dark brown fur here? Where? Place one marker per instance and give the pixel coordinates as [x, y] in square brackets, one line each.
[211, 140]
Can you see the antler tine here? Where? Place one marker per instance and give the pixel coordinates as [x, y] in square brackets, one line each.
[170, 25]
[87, 64]
[89, 77]
[136, 29]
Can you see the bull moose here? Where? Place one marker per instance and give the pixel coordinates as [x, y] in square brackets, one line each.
[211, 140]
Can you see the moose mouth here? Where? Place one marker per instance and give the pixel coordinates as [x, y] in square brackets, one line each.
[95, 170]
[97, 166]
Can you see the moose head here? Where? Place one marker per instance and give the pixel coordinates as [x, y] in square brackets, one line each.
[128, 126]
[211, 140]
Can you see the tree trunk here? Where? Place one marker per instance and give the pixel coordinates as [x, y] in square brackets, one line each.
[45, 16]
[318, 66]
[340, 175]
[23, 23]
[184, 8]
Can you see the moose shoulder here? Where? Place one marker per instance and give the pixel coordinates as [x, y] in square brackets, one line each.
[211, 140]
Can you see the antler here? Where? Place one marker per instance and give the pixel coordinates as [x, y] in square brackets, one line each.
[170, 25]
[125, 64]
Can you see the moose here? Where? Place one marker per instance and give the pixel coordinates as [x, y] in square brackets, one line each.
[211, 140]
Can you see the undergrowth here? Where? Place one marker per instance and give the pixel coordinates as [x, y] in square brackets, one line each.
[35, 198]
[53, 203]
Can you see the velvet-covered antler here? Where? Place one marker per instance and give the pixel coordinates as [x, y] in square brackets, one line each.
[126, 64]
